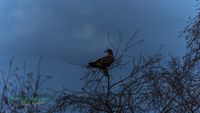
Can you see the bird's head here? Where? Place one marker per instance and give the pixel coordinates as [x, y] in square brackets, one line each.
[109, 51]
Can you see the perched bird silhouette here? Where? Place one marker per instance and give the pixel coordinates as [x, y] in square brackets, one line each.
[103, 63]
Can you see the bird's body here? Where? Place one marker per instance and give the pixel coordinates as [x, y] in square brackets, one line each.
[103, 63]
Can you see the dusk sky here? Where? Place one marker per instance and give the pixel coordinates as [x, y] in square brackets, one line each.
[76, 31]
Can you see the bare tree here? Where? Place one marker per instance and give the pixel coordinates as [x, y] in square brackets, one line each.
[22, 92]
[153, 84]
[130, 93]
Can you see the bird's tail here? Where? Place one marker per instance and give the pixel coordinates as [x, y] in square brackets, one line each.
[91, 65]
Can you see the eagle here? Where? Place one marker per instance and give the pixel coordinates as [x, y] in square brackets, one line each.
[103, 63]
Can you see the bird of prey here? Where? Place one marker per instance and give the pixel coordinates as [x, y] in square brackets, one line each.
[103, 63]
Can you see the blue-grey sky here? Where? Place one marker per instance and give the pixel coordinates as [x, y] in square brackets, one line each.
[76, 31]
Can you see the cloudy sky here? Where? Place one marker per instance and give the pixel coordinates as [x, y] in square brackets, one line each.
[76, 31]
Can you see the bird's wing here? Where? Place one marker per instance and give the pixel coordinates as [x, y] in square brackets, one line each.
[104, 61]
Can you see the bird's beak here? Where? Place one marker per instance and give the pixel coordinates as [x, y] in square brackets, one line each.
[106, 51]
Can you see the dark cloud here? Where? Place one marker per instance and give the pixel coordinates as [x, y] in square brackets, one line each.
[51, 25]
